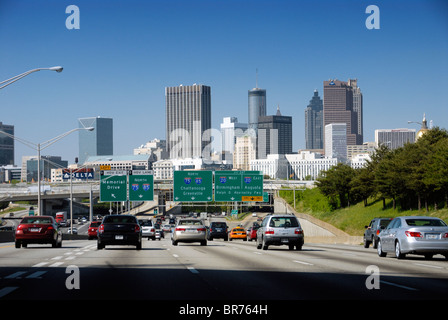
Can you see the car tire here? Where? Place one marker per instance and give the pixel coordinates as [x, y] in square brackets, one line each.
[264, 245]
[18, 244]
[366, 243]
[381, 253]
[99, 245]
[139, 245]
[204, 243]
[174, 243]
[398, 253]
[259, 245]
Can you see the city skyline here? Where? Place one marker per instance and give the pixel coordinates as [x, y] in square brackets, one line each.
[118, 63]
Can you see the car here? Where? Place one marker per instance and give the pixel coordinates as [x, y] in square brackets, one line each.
[148, 229]
[218, 230]
[119, 229]
[38, 229]
[279, 229]
[93, 229]
[373, 230]
[419, 235]
[252, 232]
[238, 233]
[189, 230]
[166, 228]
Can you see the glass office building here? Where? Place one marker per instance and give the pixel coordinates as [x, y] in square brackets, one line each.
[257, 106]
[6, 145]
[98, 142]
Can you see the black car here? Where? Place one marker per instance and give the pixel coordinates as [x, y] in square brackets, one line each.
[218, 230]
[119, 230]
[373, 230]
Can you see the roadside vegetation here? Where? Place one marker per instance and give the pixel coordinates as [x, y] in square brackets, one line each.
[412, 180]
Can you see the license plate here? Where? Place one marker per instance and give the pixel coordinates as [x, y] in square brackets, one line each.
[191, 230]
[285, 241]
[118, 237]
[34, 229]
[432, 236]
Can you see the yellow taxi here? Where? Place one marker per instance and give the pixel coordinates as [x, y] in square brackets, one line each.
[238, 233]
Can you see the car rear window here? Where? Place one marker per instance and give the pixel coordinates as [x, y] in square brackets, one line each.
[219, 225]
[283, 222]
[190, 222]
[36, 220]
[425, 222]
[95, 224]
[119, 219]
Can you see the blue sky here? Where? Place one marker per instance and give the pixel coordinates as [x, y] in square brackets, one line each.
[127, 51]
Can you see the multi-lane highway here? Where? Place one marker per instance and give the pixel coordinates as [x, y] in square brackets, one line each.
[220, 271]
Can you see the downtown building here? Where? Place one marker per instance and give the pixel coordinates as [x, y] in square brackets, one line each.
[394, 138]
[314, 130]
[188, 116]
[98, 142]
[339, 107]
[6, 145]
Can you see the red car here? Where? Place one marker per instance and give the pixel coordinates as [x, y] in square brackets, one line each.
[38, 229]
[93, 229]
[252, 233]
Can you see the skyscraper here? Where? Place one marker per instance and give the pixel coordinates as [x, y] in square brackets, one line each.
[338, 108]
[230, 130]
[336, 141]
[188, 116]
[98, 142]
[257, 106]
[314, 134]
[274, 134]
[357, 107]
[6, 145]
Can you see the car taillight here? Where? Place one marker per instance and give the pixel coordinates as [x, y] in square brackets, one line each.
[445, 235]
[101, 229]
[180, 229]
[269, 231]
[413, 234]
[153, 230]
[201, 229]
[298, 231]
[137, 228]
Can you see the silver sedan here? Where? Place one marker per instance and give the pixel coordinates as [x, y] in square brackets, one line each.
[414, 235]
[189, 230]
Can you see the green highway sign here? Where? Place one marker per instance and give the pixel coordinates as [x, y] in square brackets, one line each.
[141, 185]
[113, 186]
[238, 186]
[193, 186]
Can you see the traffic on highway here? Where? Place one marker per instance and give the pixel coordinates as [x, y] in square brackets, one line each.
[184, 263]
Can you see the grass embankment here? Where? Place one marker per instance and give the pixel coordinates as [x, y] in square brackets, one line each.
[351, 220]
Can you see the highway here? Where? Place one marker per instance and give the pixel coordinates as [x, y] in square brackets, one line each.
[221, 271]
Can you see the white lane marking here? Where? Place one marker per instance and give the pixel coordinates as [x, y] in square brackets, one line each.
[192, 270]
[15, 275]
[57, 258]
[41, 264]
[7, 290]
[175, 256]
[428, 266]
[36, 275]
[56, 264]
[302, 262]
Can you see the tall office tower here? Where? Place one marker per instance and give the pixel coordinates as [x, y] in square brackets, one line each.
[394, 138]
[314, 130]
[188, 116]
[98, 142]
[336, 141]
[230, 130]
[357, 106]
[338, 108]
[274, 135]
[6, 145]
[257, 107]
[245, 151]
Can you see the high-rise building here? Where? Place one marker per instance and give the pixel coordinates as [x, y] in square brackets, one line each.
[98, 142]
[188, 116]
[336, 141]
[6, 145]
[394, 138]
[274, 134]
[314, 130]
[338, 108]
[245, 151]
[357, 107]
[257, 107]
[230, 130]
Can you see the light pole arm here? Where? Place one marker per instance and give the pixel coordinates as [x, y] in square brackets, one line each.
[20, 76]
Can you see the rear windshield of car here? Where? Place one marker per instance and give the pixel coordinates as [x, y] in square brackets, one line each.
[425, 222]
[95, 224]
[219, 225]
[119, 219]
[190, 222]
[283, 222]
[384, 223]
[36, 220]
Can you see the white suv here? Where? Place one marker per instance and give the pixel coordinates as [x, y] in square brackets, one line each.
[279, 230]
[148, 229]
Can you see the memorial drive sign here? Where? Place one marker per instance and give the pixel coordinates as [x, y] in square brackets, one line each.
[113, 186]
[193, 186]
[238, 186]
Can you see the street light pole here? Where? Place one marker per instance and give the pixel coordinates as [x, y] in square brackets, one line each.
[7, 82]
[39, 147]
